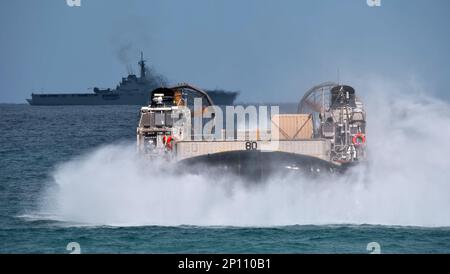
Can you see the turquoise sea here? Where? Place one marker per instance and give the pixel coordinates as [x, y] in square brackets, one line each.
[54, 189]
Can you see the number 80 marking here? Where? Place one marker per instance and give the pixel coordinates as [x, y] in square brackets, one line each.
[251, 145]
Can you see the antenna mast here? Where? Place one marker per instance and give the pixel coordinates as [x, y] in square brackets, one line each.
[142, 65]
[338, 76]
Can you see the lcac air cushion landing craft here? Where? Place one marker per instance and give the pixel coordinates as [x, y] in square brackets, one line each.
[325, 135]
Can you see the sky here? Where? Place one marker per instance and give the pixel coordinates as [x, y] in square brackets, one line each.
[268, 50]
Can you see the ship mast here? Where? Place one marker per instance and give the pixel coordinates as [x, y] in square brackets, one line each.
[142, 65]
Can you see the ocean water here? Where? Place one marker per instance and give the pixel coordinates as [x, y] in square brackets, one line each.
[71, 174]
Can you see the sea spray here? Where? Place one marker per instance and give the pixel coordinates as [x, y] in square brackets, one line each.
[405, 181]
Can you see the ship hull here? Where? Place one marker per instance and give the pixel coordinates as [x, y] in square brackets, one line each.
[88, 99]
[138, 99]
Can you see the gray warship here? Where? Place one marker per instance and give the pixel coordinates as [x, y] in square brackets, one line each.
[132, 90]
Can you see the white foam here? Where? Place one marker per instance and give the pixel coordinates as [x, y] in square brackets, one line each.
[407, 182]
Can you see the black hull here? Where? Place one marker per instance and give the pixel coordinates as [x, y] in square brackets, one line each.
[257, 165]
